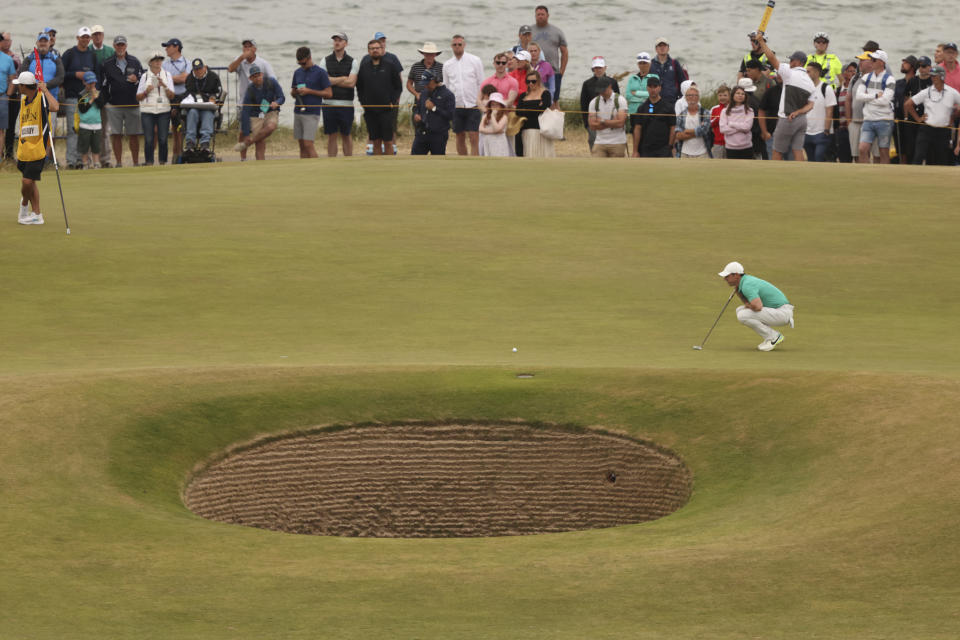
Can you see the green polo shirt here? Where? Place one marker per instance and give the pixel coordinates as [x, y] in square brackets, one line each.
[103, 54]
[752, 287]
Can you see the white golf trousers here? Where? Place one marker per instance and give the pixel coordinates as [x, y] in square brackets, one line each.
[761, 321]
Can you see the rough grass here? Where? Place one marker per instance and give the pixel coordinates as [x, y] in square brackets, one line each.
[245, 300]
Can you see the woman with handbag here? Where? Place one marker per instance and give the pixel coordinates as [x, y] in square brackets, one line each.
[531, 104]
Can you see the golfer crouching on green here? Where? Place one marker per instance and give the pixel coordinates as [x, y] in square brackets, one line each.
[764, 306]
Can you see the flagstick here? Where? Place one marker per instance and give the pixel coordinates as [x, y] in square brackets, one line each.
[43, 103]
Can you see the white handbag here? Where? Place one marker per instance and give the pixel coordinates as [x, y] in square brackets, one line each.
[551, 124]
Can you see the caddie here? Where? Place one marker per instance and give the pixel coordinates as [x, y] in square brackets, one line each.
[764, 306]
[34, 137]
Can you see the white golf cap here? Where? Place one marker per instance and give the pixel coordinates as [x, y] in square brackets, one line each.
[880, 54]
[643, 56]
[26, 78]
[733, 267]
[84, 31]
[97, 28]
[523, 55]
[598, 62]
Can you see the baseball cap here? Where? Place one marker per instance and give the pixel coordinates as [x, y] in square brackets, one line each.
[120, 40]
[26, 77]
[950, 45]
[43, 36]
[379, 35]
[427, 76]
[89, 76]
[172, 41]
[732, 267]
[662, 40]
[798, 55]
[864, 56]
[912, 60]
[254, 70]
[643, 56]
[52, 30]
[924, 61]
[938, 71]
[598, 62]
[523, 55]
[84, 31]
[252, 42]
[97, 28]
[341, 35]
[879, 54]
[525, 29]
[157, 55]
[197, 63]
[497, 97]
[653, 79]
[747, 85]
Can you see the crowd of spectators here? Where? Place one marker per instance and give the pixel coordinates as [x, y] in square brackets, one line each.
[817, 106]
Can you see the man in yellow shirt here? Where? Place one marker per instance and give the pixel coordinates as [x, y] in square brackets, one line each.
[34, 138]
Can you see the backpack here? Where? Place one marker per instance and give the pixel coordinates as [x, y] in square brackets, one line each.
[616, 101]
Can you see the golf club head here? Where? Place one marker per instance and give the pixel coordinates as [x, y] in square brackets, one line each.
[697, 347]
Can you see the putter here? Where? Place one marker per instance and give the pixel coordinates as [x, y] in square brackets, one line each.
[699, 347]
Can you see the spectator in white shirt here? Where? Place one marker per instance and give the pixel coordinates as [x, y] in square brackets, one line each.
[463, 76]
[941, 103]
[608, 114]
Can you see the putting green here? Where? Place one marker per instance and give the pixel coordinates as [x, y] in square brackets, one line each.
[235, 301]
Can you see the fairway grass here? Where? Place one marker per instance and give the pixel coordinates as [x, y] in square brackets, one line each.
[194, 308]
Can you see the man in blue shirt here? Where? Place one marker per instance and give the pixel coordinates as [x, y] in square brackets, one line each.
[311, 85]
[764, 306]
[260, 114]
[8, 72]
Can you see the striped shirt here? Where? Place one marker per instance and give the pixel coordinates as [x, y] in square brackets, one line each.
[416, 74]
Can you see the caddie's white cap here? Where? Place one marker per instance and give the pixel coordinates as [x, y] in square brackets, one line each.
[26, 78]
[598, 62]
[733, 267]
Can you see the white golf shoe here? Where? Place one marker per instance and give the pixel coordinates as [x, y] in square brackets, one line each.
[768, 345]
[33, 218]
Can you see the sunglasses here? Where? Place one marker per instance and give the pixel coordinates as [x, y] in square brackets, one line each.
[500, 62]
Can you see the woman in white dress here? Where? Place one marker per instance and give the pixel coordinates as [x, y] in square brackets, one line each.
[493, 128]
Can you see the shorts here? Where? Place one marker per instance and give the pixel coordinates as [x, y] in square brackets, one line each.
[879, 130]
[790, 134]
[609, 150]
[466, 119]
[88, 140]
[379, 122]
[4, 111]
[124, 120]
[176, 115]
[32, 169]
[305, 126]
[257, 123]
[338, 120]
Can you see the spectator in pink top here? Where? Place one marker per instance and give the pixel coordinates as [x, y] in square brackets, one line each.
[736, 125]
[506, 85]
